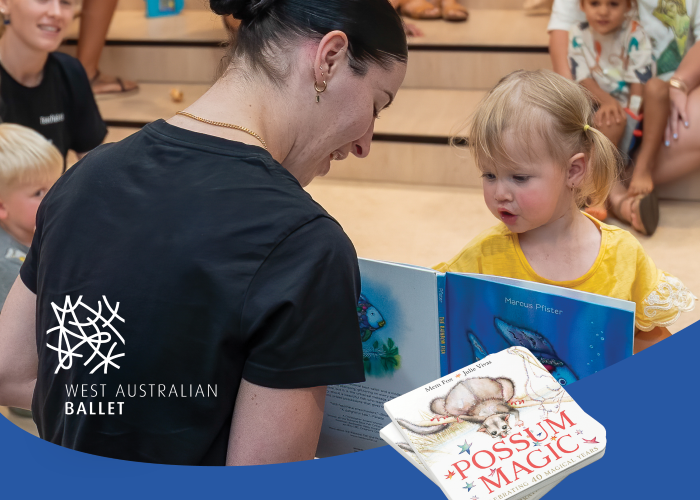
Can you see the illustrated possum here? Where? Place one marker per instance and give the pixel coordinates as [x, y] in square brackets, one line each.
[479, 400]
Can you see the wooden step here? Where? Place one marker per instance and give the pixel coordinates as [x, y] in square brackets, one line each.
[187, 48]
[487, 29]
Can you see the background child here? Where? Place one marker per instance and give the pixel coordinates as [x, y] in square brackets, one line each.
[611, 55]
[541, 159]
[29, 165]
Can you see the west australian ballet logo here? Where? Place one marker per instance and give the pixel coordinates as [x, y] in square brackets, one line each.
[88, 330]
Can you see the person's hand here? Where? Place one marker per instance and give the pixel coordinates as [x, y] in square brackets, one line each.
[678, 114]
[610, 112]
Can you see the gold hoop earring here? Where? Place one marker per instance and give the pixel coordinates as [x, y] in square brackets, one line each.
[318, 90]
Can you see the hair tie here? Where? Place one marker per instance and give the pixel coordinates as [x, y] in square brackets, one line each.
[586, 127]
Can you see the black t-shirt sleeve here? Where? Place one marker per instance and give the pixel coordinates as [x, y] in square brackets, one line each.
[88, 130]
[300, 312]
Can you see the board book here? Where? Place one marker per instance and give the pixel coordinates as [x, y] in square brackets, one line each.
[417, 324]
[393, 438]
[501, 428]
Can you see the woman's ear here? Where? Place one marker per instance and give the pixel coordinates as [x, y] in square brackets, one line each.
[577, 170]
[331, 52]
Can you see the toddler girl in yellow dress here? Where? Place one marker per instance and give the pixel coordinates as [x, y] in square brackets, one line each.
[541, 161]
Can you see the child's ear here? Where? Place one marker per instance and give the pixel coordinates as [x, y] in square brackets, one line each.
[577, 170]
[3, 211]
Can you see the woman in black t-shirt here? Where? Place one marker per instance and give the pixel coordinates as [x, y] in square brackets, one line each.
[41, 89]
[183, 276]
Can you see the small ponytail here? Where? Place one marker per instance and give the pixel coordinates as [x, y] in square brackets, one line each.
[604, 166]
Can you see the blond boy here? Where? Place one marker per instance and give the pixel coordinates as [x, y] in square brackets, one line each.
[29, 166]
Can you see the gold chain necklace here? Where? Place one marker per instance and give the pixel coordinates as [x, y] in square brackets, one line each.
[227, 125]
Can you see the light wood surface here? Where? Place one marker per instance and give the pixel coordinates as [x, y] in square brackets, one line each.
[151, 102]
[467, 70]
[133, 25]
[485, 27]
[416, 164]
[427, 112]
[159, 64]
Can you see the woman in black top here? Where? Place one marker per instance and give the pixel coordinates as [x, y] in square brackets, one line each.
[191, 300]
[41, 89]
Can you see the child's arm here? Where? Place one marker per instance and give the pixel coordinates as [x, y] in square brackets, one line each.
[18, 357]
[558, 52]
[642, 339]
[610, 109]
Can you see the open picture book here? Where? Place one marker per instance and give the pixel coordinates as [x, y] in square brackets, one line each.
[417, 325]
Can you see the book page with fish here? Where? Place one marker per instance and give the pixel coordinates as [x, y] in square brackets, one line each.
[572, 333]
[500, 428]
[398, 317]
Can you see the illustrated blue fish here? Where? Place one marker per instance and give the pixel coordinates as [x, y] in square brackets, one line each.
[479, 351]
[540, 347]
[369, 317]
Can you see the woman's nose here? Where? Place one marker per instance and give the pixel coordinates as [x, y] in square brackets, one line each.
[360, 147]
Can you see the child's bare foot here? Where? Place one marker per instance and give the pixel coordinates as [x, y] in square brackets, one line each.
[598, 211]
[452, 10]
[419, 9]
[641, 182]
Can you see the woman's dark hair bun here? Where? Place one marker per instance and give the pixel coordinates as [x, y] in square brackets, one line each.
[245, 10]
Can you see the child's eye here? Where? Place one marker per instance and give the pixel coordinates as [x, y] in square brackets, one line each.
[520, 178]
[376, 114]
[488, 177]
[40, 193]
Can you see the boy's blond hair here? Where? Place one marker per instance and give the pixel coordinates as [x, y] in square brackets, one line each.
[26, 156]
[545, 109]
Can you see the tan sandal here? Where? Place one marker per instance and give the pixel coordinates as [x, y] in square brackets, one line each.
[114, 85]
[419, 9]
[645, 208]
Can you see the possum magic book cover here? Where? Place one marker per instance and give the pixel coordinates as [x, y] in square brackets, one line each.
[502, 428]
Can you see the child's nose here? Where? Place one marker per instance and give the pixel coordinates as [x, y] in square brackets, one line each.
[502, 192]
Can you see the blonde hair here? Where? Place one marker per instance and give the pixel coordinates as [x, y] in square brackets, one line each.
[25, 157]
[541, 107]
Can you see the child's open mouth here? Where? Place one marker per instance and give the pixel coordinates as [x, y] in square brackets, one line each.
[507, 217]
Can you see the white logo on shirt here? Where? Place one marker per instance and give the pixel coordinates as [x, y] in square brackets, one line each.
[55, 118]
[89, 330]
